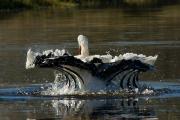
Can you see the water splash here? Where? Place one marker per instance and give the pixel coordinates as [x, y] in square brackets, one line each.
[62, 85]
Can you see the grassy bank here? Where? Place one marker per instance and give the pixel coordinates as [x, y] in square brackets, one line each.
[18, 4]
[28, 4]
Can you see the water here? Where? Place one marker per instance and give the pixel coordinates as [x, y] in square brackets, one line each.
[154, 30]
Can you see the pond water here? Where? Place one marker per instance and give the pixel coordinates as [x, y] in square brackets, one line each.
[152, 31]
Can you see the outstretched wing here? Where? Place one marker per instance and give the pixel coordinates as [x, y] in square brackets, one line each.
[124, 73]
[58, 62]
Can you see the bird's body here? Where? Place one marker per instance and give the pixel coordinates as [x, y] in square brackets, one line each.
[94, 72]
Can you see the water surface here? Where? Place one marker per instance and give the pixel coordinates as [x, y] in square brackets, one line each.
[110, 30]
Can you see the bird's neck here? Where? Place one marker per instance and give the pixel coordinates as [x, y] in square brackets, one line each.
[84, 51]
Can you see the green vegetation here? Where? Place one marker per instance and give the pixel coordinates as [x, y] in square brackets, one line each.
[18, 4]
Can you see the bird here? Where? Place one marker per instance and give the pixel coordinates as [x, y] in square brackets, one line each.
[93, 72]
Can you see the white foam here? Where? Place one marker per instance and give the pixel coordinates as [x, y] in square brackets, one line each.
[147, 92]
[143, 58]
[31, 56]
[127, 56]
[104, 58]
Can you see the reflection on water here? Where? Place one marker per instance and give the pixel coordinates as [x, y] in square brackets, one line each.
[125, 108]
[84, 109]
[98, 109]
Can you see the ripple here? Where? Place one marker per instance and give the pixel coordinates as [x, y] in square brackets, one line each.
[159, 90]
[147, 42]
